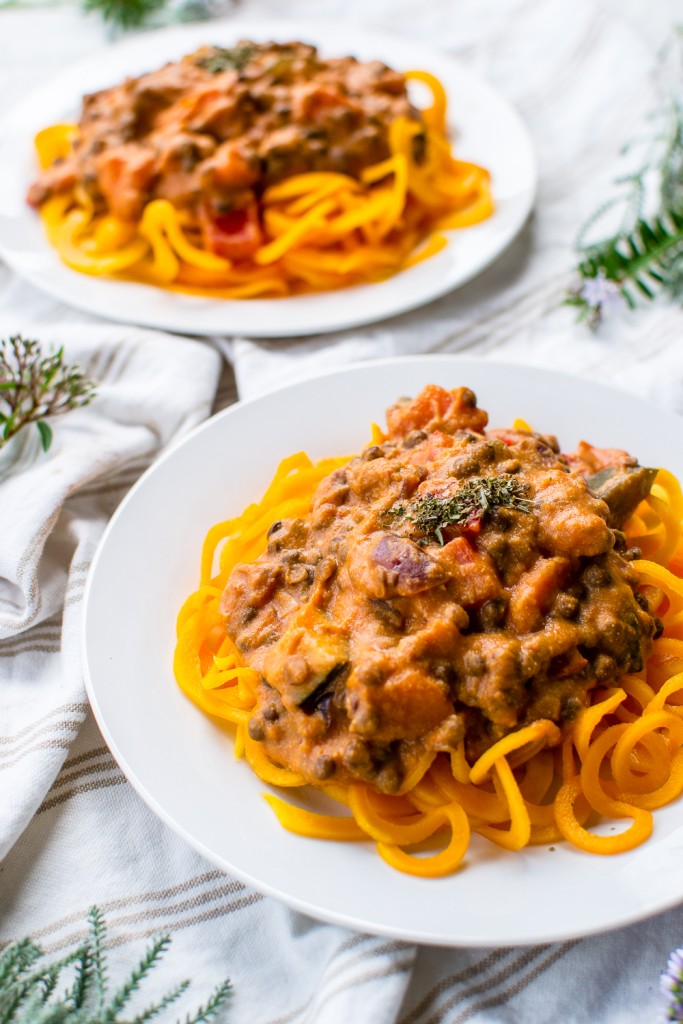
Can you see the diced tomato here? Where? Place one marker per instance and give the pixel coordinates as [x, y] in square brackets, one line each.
[236, 235]
[473, 523]
[460, 551]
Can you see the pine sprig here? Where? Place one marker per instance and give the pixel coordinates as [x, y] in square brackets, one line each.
[83, 979]
[209, 1012]
[155, 1009]
[132, 984]
[35, 386]
[28, 986]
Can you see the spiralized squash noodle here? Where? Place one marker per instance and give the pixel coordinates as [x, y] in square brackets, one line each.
[621, 759]
[322, 230]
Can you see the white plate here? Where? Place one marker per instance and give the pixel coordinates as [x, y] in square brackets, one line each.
[182, 763]
[488, 131]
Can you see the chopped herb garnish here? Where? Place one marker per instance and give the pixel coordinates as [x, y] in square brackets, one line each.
[473, 502]
[220, 59]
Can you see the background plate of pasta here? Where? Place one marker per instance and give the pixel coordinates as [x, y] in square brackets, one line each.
[404, 667]
[269, 179]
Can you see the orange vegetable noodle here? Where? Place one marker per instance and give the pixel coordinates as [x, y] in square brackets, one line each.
[617, 761]
[169, 208]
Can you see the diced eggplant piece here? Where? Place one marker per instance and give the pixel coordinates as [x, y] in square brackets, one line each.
[320, 699]
[622, 488]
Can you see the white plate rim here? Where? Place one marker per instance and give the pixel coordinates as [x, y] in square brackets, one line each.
[273, 318]
[424, 937]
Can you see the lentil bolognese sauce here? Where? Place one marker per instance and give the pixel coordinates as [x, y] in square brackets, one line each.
[451, 631]
[258, 170]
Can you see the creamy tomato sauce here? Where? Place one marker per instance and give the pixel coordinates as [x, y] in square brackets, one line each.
[210, 132]
[451, 583]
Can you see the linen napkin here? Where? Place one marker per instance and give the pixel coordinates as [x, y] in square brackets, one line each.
[151, 388]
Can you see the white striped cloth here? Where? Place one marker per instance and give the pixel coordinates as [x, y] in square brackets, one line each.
[582, 80]
[53, 508]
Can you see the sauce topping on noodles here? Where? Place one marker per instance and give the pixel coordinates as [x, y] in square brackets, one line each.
[210, 132]
[448, 584]
[263, 170]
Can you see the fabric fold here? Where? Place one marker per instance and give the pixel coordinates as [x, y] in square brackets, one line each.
[54, 507]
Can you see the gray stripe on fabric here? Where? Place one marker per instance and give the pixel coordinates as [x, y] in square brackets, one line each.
[397, 967]
[456, 979]
[522, 961]
[124, 475]
[86, 787]
[353, 941]
[45, 631]
[72, 707]
[111, 488]
[379, 950]
[167, 912]
[130, 901]
[88, 755]
[33, 648]
[230, 887]
[169, 925]
[28, 640]
[243, 903]
[100, 372]
[506, 994]
[14, 747]
[125, 353]
[346, 964]
[10, 762]
[29, 585]
[66, 778]
[77, 567]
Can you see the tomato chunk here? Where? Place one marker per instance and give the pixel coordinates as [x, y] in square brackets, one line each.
[236, 235]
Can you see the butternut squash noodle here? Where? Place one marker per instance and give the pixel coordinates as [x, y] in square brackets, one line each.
[322, 230]
[621, 759]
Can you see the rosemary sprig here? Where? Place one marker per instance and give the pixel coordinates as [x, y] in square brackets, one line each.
[475, 500]
[644, 255]
[34, 386]
[641, 263]
[27, 985]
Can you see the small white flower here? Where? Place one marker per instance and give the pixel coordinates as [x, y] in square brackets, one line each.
[671, 985]
[601, 294]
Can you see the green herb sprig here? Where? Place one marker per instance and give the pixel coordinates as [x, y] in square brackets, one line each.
[27, 984]
[474, 501]
[643, 257]
[34, 386]
[125, 14]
